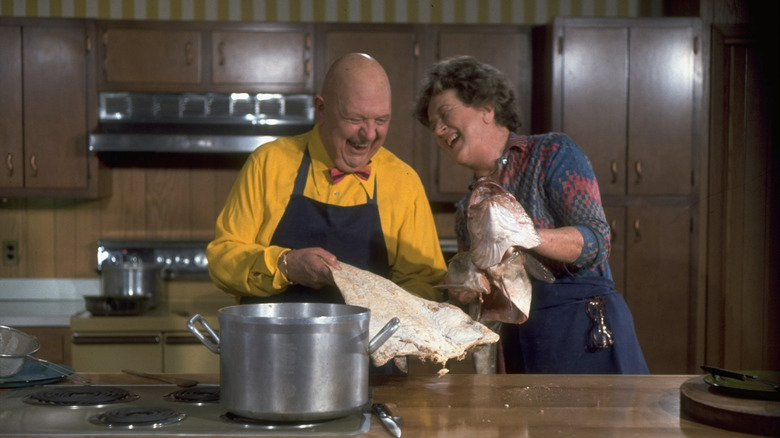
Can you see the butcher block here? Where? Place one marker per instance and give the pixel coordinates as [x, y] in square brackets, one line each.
[468, 405]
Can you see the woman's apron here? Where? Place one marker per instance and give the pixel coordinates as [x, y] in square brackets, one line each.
[558, 335]
[353, 234]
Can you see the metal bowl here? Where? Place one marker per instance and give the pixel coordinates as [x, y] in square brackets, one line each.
[15, 347]
[101, 305]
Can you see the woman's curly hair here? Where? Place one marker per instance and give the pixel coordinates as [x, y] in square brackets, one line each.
[475, 84]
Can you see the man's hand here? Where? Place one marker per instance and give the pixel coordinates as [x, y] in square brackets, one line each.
[310, 267]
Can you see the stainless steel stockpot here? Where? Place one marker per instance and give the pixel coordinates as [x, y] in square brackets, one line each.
[133, 279]
[293, 361]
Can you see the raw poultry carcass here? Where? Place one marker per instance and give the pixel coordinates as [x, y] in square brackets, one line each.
[494, 273]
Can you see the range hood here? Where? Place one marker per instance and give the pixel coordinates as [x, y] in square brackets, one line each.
[198, 123]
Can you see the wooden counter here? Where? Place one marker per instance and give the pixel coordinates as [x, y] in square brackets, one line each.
[461, 405]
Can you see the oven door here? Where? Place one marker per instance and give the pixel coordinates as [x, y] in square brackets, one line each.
[94, 352]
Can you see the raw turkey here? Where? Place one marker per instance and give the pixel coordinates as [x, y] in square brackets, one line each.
[495, 271]
[429, 330]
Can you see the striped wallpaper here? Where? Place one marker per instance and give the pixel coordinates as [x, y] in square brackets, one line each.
[366, 11]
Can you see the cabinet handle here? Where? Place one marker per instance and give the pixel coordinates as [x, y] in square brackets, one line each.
[613, 168]
[307, 67]
[637, 232]
[638, 168]
[34, 165]
[613, 230]
[188, 53]
[9, 162]
[307, 41]
[221, 50]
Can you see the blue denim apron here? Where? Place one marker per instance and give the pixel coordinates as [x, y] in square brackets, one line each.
[557, 337]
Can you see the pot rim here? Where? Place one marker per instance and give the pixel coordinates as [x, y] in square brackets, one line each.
[247, 313]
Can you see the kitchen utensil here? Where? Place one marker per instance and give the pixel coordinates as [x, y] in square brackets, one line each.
[133, 279]
[33, 373]
[15, 347]
[740, 376]
[184, 383]
[391, 423]
[102, 305]
[293, 361]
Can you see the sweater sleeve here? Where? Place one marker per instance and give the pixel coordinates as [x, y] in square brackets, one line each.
[574, 199]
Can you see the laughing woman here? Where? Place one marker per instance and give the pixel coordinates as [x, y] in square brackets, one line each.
[579, 323]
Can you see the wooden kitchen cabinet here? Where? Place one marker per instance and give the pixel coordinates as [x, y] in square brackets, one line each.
[154, 57]
[396, 48]
[407, 52]
[47, 111]
[627, 92]
[630, 93]
[205, 57]
[275, 60]
[508, 48]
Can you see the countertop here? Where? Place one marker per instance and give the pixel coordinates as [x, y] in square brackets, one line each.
[528, 406]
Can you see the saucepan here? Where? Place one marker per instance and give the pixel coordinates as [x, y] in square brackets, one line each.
[293, 361]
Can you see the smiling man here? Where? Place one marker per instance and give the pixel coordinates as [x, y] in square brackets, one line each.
[301, 204]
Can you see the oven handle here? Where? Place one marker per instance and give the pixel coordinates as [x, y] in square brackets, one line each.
[118, 339]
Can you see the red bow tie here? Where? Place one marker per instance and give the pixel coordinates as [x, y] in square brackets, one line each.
[337, 175]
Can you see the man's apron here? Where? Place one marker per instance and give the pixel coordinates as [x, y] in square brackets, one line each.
[353, 234]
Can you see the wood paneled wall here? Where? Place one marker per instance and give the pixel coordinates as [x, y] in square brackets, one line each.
[57, 238]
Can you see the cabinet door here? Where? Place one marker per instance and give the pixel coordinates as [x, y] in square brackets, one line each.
[55, 113]
[509, 52]
[395, 50]
[273, 61]
[658, 284]
[660, 108]
[151, 56]
[12, 169]
[626, 96]
[594, 92]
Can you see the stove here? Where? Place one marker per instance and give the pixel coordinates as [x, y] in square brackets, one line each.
[159, 410]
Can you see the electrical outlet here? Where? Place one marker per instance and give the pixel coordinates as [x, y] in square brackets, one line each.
[10, 252]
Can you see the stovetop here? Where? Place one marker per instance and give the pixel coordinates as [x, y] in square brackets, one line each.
[160, 410]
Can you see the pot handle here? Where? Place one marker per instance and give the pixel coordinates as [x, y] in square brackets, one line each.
[383, 335]
[214, 347]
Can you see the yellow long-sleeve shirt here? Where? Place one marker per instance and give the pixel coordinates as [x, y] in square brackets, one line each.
[243, 262]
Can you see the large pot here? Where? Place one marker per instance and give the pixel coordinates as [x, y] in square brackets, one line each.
[133, 279]
[293, 361]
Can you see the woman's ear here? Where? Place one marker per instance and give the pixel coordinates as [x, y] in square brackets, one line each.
[488, 114]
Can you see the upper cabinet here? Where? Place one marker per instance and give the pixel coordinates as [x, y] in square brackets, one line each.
[407, 52]
[198, 57]
[278, 59]
[396, 48]
[46, 82]
[151, 57]
[507, 48]
[628, 92]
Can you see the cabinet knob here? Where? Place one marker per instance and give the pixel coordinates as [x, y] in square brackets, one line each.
[188, 53]
[638, 168]
[9, 162]
[637, 231]
[613, 230]
[221, 50]
[34, 165]
[613, 168]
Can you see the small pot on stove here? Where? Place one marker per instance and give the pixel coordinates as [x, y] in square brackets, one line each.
[133, 279]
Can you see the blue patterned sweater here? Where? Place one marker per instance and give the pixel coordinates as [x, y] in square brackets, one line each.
[553, 180]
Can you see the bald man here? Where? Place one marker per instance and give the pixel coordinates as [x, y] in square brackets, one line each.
[301, 204]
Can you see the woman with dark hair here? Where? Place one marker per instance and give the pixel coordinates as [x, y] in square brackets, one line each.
[578, 323]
